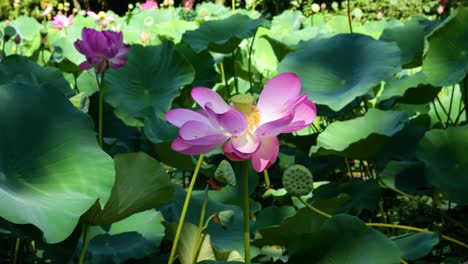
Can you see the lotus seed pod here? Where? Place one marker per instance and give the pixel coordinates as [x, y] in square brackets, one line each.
[297, 180]
[224, 174]
[224, 218]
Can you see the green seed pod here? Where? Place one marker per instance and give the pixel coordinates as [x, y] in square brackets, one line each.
[297, 180]
[224, 174]
[224, 218]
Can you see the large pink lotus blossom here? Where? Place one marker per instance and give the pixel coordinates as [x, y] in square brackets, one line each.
[149, 5]
[61, 21]
[103, 49]
[246, 130]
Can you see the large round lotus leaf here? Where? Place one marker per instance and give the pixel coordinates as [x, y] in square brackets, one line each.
[223, 36]
[135, 237]
[362, 137]
[410, 39]
[20, 69]
[27, 27]
[344, 239]
[51, 168]
[143, 90]
[336, 70]
[141, 183]
[444, 152]
[446, 58]
[415, 245]
[341, 239]
[412, 89]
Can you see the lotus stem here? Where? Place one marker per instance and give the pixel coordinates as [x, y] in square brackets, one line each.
[184, 209]
[267, 179]
[349, 18]
[200, 226]
[314, 209]
[85, 243]
[17, 247]
[246, 212]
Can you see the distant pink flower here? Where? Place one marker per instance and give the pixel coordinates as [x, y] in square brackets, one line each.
[440, 9]
[379, 15]
[323, 6]
[149, 5]
[101, 19]
[246, 130]
[60, 21]
[144, 37]
[188, 4]
[103, 49]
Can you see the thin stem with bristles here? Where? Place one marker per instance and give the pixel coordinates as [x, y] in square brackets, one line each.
[184, 210]
[200, 226]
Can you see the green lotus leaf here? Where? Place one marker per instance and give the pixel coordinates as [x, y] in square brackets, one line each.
[446, 58]
[410, 39]
[336, 70]
[415, 245]
[141, 183]
[134, 237]
[412, 89]
[359, 138]
[273, 215]
[143, 90]
[51, 168]
[20, 69]
[444, 155]
[341, 239]
[364, 194]
[27, 27]
[223, 36]
[407, 176]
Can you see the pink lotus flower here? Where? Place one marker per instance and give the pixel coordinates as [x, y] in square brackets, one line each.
[103, 49]
[379, 15]
[440, 9]
[188, 4]
[246, 130]
[149, 5]
[47, 11]
[60, 21]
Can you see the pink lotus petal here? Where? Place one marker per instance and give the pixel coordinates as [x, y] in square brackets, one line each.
[207, 97]
[180, 116]
[274, 128]
[183, 147]
[193, 130]
[276, 93]
[246, 144]
[232, 154]
[266, 155]
[233, 120]
[304, 115]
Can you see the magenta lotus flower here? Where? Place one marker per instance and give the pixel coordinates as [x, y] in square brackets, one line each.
[149, 5]
[246, 130]
[61, 21]
[103, 49]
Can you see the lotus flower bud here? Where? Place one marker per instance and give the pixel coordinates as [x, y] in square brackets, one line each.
[224, 218]
[297, 180]
[17, 39]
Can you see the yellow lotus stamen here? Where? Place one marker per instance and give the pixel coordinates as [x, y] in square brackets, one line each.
[244, 103]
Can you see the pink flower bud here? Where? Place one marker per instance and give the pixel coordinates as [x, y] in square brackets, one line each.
[440, 9]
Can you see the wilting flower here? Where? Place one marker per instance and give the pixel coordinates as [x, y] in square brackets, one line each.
[60, 21]
[246, 130]
[149, 5]
[103, 49]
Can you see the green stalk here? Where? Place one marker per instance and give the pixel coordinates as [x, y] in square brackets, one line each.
[349, 18]
[85, 243]
[250, 62]
[200, 226]
[246, 213]
[184, 210]
[464, 90]
[101, 105]
[267, 179]
[17, 247]
[233, 6]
